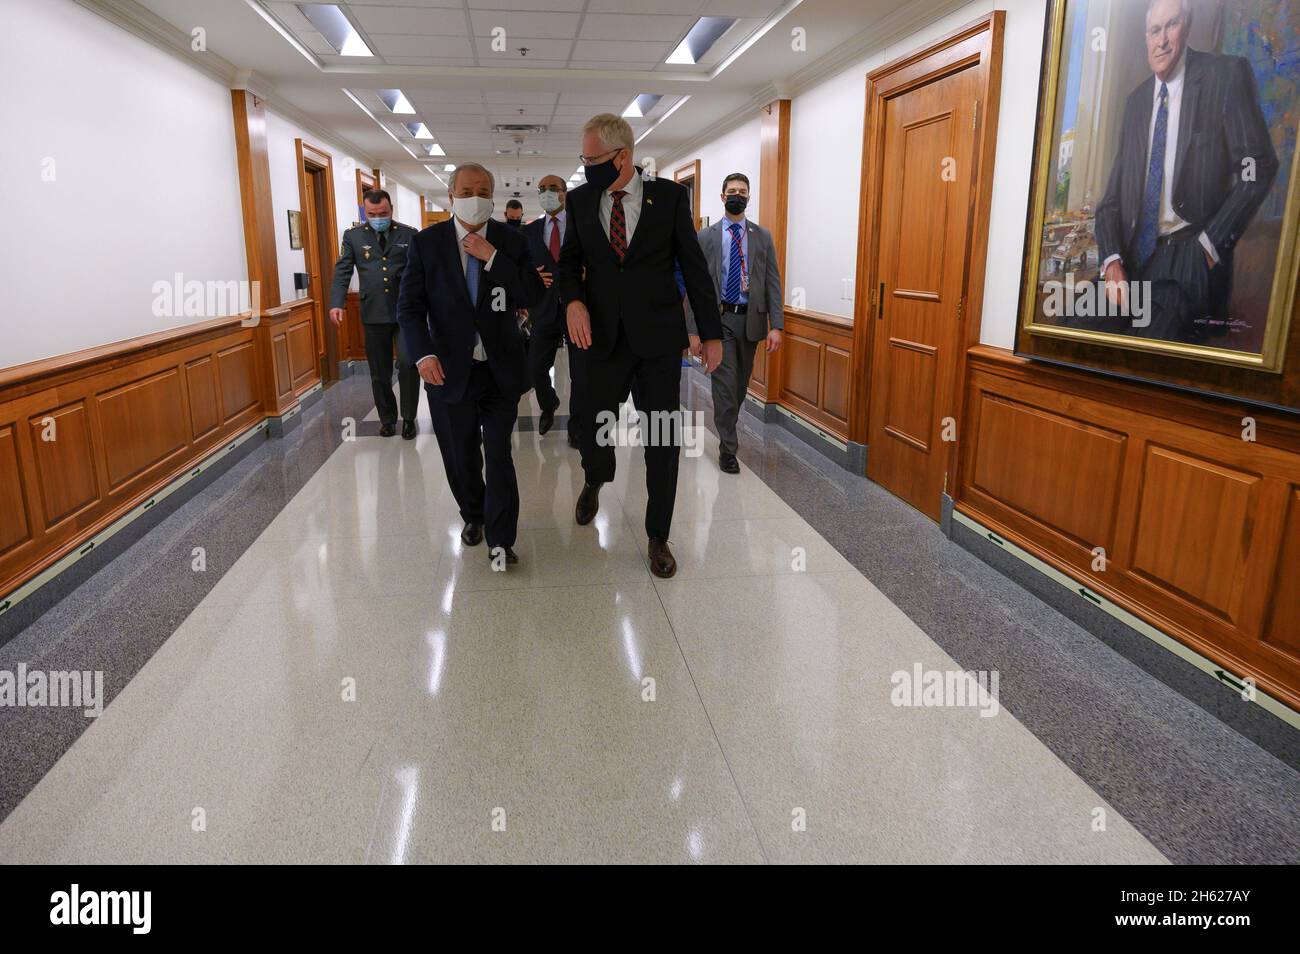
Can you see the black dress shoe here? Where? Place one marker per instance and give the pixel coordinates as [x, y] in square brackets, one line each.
[545, 421]
[662, 563]
[574, 442]
[408, 430]
[495, 552]
[472, 535]
[728, 463]
[588, 504]
[387, 430]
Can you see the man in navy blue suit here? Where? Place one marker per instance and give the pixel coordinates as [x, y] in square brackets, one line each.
[463, 280]
[545, 237]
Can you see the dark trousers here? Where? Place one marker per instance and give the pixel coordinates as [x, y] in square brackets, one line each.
[473, 431]
[379, 355]
[1186, 294]
[541, 357]
[731, 380]
[657, 382]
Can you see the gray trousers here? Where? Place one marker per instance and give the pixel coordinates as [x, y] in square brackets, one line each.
[731, 379]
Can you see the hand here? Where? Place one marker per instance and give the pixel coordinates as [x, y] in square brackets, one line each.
[712, 354]
[1209, 259]
[579, 321]
[476, 245]
[523, 312]
[336, 315]
[1116, 284]
[430, 369]
[547, 281]
[695, 345]
[773, 340]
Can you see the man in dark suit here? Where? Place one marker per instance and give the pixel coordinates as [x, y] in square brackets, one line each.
[1194, 163]
[626, 313]
[545, 236]
[464, 279]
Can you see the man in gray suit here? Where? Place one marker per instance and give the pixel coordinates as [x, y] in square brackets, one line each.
[377, 250]
[742, 261]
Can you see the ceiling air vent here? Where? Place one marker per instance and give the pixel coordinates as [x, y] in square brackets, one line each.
[518, 129]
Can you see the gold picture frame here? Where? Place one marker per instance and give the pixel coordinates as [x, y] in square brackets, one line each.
[1286, 272]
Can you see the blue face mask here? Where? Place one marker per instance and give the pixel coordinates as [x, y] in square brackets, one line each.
[379, 225]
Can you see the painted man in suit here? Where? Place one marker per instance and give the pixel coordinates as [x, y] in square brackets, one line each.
[1195, 161]
[377, 250]
[464, 279]
[742, 262]
[626, 313]
[545, 237]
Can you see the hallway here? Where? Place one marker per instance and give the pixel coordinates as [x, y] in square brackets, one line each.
[477, 710]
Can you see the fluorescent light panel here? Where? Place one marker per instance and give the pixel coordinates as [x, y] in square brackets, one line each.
[418, 130]
[699, 39]
[333, 24]
[642, 105]
[396, 101]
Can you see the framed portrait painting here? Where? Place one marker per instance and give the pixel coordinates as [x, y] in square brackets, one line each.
[1165, 201]
[295, 228]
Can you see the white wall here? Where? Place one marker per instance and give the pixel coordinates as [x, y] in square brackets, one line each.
[738, 150]
[117, 168]
[406, 203]
[826, 169]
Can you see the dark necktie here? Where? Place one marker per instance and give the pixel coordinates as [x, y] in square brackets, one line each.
[1149, 228]
[735, 268]
[555, 239]
[617, 225]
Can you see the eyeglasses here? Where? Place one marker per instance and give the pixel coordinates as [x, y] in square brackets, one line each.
[593, 160]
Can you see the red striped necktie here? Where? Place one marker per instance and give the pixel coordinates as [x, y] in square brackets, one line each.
[618, 225]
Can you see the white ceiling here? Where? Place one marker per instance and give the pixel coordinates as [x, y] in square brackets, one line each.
[562, 62]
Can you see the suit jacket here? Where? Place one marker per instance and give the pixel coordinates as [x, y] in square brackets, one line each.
[638, 294]
[1220, 125]
[437, 317]
[766, 305]
[360, 250]
[548, 315]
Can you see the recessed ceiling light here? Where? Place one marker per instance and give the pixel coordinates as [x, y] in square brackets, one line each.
[336, 28]
[434, 149]
[396, 101]
[642, 105]
[449, 167]
[699, 39]
[418, 130]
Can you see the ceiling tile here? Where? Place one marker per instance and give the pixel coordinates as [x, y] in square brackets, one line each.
[612, 51]
[392, 44]
[565, 5]
[411, 20]
[539, 48]
[660, 6]
[556, 26]
[609, 26]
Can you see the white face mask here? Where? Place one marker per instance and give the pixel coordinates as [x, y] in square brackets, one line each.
[550, 201]
[472, 209]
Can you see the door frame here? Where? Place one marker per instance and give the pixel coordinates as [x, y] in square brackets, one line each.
[977, 45]
[691, 172]
[313, 160]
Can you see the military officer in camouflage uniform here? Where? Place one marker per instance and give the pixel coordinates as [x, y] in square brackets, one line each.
[377, 250]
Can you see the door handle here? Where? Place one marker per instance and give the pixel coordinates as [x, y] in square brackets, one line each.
[880, 309]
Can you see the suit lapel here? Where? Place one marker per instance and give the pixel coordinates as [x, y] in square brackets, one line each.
[1191, 91]
[649, 215]
[451, 255]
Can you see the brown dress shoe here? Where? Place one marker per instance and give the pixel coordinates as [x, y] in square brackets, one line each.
[588, 504]
[662, 563]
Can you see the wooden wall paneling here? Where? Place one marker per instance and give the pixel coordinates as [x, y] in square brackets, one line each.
[127, 419]
[354, 335]
[1199, 527]
[255, 195]
[815, 369]
[773, 212]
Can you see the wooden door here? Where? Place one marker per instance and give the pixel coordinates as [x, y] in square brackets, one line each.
[925, 175]
[311, 255]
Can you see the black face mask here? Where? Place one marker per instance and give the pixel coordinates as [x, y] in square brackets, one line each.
[602, 175]
[517, 223]
[735, 204]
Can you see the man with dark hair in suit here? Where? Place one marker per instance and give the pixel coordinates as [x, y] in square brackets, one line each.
[545, 236]
[464, 279]
[1195, 161]
[515, 214]
[626, 313]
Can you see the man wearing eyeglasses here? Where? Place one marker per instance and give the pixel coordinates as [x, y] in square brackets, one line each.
[625, 312]
[545, 236]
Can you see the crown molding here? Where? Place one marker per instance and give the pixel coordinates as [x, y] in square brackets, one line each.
[142, 22]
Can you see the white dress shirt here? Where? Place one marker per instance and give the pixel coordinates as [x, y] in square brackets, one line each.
[631, 205]
[1170, 221]
[461, 232]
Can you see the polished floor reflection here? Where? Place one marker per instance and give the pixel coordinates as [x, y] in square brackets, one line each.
[358, 686]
